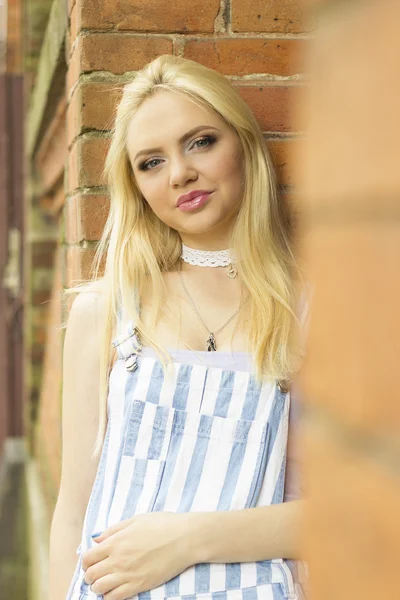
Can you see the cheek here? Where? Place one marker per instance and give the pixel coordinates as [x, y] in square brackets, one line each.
[154, 193]
[232, 171]
[230, 159]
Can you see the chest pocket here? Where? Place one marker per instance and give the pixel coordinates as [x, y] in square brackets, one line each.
[179, 461]
[145, 445]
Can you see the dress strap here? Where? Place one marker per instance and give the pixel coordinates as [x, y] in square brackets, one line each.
[127, 342]
[124, 325]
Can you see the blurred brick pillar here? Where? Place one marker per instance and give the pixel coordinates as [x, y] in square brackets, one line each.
[351, 244]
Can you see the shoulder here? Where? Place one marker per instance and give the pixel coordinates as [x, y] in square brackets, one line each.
[85, 317]
[86, 308]
[87, 301]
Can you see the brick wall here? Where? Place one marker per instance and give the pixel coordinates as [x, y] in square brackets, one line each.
[351, 243]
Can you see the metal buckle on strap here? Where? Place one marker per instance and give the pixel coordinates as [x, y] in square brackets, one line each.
[120, 340]
[131, 363]
[283, 385]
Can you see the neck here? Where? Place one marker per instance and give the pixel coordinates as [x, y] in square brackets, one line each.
[210, 244]
[191, 250]
[218, 237]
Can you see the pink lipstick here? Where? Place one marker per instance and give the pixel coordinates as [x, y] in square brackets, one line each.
[193, 200]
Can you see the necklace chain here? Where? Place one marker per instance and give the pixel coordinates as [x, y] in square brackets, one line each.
[211, 343]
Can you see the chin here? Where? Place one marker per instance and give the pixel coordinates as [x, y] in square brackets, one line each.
[199, 226]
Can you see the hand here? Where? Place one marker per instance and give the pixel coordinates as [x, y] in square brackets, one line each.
[138, 555]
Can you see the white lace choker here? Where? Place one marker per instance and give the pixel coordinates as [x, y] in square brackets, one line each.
[207, 258]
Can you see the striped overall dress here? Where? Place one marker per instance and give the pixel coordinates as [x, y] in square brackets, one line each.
[197, 438]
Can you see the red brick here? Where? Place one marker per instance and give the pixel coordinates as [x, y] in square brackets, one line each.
[86, 162]
[352, 187]
[85, 217]
[179, 16]
[94, 151]
[73, 174]
[36, 353]
[350, 155]
[71, 4]
[274, 16]
[79, 264]
[113, 52]
[351, 367]
[72, 233]
[94, 213]
[74, 119]
[14, 56]
[283, 154]
[74, 66]
[38, 336]
[39, 297]
[352, 527]
[272, 106]
[74, 28]
[42, 254]
[40, 316]
[92, 106]
[248, 56]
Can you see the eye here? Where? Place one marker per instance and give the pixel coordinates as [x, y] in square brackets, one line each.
[149, 164]
[204, 141]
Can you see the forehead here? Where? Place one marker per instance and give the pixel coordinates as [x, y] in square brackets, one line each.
[167, 115]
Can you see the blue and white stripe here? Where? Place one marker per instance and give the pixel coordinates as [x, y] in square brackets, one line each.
[192, 439]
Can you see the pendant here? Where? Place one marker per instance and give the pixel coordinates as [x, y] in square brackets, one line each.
[211, 344]
[232, 272]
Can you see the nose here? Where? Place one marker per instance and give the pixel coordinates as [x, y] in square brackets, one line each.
[181, 171]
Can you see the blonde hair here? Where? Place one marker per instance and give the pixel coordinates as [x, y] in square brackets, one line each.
[138, 247]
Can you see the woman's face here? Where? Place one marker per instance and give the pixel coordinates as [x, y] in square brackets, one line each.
[188, 164]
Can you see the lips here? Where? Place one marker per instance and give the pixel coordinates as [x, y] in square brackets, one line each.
[192, 201]
[192, 196]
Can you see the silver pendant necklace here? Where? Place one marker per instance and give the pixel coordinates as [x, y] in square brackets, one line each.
[210, 258]
[210, 341]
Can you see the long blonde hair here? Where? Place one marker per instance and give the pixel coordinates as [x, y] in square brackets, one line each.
[137, 247]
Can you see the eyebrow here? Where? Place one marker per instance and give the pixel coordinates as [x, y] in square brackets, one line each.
[186, 136]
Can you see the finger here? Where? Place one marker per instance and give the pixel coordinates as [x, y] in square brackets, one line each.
[97, 571]
[106, 585]
[113, 529]
[120, 593]
[95, 555]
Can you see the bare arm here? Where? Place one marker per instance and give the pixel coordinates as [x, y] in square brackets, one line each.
[247, 535]
[147, 550]
[79, 429]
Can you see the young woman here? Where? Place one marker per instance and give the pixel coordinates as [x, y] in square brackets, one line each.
[185, 494]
